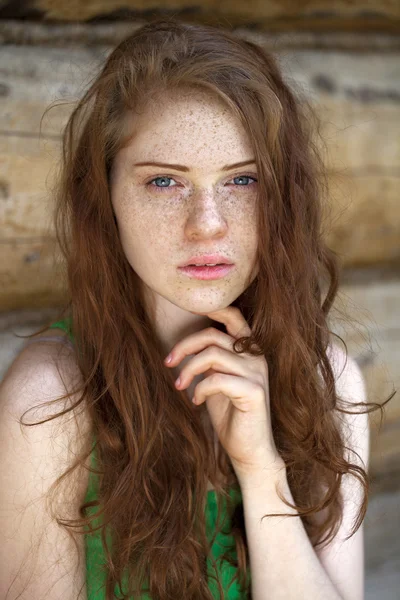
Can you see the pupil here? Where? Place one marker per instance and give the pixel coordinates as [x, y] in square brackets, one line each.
[163, 179]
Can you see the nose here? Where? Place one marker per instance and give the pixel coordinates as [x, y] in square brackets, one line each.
[206, 217]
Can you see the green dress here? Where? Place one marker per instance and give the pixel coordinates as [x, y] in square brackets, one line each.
[95, 557]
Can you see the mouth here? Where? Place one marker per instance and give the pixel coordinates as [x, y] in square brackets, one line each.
[208, 272]
[207, 260]
[207, 265]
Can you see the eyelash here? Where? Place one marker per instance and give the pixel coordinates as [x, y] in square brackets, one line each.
[149, 183]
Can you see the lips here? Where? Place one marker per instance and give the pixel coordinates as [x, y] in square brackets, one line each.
[207, 259]
[207, 273]
[206, 265]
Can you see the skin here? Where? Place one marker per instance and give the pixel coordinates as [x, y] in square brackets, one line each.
[184, 214]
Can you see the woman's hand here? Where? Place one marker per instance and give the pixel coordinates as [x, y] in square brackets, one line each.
[236, 393]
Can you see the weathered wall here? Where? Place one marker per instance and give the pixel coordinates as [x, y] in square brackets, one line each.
[332, 55]
[277, 15]
[355, 94]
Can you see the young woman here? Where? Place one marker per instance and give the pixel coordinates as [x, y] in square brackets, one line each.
[187, 150]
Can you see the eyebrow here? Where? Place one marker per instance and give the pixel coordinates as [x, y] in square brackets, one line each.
[185, 169]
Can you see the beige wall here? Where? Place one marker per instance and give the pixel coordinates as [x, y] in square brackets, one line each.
[356, 94]
[322, 15]
[352, 80]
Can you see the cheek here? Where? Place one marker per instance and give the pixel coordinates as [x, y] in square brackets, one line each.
[245, 227]
[244, 214]
[134, 215]
[145, 233]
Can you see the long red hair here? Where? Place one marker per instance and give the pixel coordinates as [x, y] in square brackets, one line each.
[153, 455]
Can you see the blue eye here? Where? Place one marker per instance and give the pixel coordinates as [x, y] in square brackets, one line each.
[166, 177]
[245, 177]
[160, 177]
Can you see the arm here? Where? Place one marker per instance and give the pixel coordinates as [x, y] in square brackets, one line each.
[38, 559]
[283, 563]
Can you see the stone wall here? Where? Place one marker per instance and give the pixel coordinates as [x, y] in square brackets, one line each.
[356, 96]
[343, 59]
[275, 15]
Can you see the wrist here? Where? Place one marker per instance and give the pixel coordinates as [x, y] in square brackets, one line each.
[273, 472]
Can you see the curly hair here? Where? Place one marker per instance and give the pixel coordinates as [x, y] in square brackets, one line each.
[152, 452]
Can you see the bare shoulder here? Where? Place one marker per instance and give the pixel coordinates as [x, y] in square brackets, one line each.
[346, 370]
[33, 389]
[351, 387]
[45, 366]
[32, 457]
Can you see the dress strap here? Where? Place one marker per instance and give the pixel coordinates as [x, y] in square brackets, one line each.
[53, 338]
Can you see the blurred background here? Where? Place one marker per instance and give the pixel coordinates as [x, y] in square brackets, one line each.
[341, 56]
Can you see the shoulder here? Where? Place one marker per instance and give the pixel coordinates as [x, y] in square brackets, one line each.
[346, 370]
[35, 452]
[45, 367]
[30, 392]
[351, 387]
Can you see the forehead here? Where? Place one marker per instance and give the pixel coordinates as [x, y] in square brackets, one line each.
[193, 128]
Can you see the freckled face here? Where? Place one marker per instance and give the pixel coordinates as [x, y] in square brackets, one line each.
[165, 216]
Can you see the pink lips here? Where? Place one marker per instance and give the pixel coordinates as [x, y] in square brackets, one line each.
[207, 272]
[204, 259]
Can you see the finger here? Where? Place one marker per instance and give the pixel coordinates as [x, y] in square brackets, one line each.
[199, 341]
[233, 319]
[216, 358]
[244, 394]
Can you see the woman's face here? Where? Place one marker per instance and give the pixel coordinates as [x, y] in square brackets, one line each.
[166, 215]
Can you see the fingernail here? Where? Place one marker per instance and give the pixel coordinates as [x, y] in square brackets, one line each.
[178, 381]
[168, 359]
